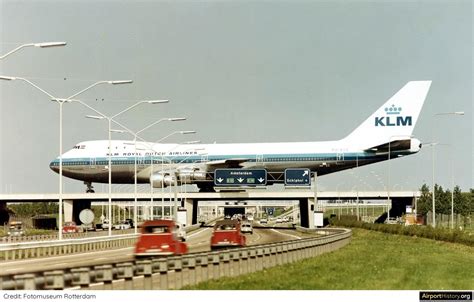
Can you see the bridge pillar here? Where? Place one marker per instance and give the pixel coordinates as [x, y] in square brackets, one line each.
[311, 209]
[68, 206]
[72, 208]
[4, 216]
[306, 212]
[191, 211]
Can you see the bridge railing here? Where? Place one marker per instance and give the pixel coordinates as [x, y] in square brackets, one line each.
[35, 249]
[48, 245]
[180, 271]
[48, 237]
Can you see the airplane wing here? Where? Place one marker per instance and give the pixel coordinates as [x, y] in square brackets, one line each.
[226, 163]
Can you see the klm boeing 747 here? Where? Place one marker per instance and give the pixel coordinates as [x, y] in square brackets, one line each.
[386, 134]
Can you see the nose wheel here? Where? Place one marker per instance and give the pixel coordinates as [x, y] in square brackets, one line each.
[90, 188]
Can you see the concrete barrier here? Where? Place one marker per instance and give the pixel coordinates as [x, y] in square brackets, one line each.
[178, 271]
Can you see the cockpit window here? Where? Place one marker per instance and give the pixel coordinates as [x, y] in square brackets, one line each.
[79, 147]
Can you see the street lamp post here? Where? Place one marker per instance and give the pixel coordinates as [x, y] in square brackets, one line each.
[109, 119]
[61, 102]
[135, 135]
[41, 45]
[388, 175]
[162, 165]
[433, 169]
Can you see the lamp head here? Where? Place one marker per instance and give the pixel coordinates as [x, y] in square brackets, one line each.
[50, 44]
[120, 82]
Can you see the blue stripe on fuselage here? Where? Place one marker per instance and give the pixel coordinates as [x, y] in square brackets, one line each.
[267, 158]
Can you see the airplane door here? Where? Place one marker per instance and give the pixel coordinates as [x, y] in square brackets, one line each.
[92, 163]
[339, 156]
[204, 158]
[259, 159]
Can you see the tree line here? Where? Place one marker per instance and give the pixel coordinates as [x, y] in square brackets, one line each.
[463, 201]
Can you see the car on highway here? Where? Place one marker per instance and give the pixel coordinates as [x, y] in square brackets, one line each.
[159, 238]
[246, 227]
[130, 222]
[70, 227]
[181, 231]
[278, 220]
[263, 221]
[15, 228]
[227, 233]
[103, 226]
[123, 225]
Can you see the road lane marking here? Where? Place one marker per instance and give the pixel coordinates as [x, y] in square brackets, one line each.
[285, 234]
[194, 234]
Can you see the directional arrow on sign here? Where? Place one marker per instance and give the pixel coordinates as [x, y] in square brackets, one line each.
[240, 179]
[305, 172]
[220, 179]
[261, 179]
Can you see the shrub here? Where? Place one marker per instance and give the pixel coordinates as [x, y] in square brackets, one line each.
[429, 232]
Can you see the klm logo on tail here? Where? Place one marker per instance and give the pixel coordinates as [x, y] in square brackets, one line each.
[393, 118]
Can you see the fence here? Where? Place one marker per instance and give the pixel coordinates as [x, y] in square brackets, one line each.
[48, 245]
[15, 239]
[444, 220]
[180, 271]
[64, 247]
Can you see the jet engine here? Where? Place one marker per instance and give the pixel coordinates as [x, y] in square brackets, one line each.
[188, 176]
[160, 180]
[185, 176]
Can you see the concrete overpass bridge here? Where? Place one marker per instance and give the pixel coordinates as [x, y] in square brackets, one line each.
[308, 200]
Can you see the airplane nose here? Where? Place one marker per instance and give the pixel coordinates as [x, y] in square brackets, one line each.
[54, 165]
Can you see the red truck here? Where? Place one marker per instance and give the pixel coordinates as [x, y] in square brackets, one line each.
[159, 238]
[227, 233]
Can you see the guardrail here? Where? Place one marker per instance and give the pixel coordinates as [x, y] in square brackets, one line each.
[177, 272]
[52, 247]
[36, 249]
[15, 239]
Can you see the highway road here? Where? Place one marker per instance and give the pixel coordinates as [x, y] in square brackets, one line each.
[198, 241]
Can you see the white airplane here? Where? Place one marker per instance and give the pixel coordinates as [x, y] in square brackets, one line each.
[386, 134]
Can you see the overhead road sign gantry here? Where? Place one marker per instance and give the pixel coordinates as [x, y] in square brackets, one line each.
[240, 177]
[297, 177]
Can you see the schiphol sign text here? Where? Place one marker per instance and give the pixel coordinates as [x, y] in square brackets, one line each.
[240, 177]
[297, 177]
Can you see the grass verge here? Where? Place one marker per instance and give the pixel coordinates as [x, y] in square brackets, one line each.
[372, 261]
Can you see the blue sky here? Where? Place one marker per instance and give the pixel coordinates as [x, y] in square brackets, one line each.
[240, 71]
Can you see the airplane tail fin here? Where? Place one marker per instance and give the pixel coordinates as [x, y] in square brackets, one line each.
[394, 120]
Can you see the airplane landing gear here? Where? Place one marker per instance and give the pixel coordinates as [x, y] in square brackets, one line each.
[90, 188]
[206, 187]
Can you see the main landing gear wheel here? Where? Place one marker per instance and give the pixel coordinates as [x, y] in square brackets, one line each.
[90, 188]
[206, 187]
